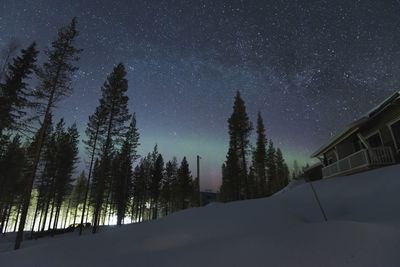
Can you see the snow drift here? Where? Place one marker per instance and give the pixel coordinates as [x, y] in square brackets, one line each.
[286, 229]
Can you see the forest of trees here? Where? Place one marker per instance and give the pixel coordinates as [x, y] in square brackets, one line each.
[268, 173]
[39, 187]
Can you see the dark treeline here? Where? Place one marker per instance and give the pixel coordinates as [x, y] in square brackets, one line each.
[266, 174]
[39, 187]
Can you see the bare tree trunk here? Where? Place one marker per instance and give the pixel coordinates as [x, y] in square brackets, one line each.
[76, 210]
[40, 219]
[66, 214]
[8, 218]
[56, 217]
[35, 216]
[88, 181]
[51, 214]
[101, 181]
[47, 204]
[17, 217]
[3, 218]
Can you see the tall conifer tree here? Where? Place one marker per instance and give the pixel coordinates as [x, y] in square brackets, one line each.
[184, 183]
[55, 77]
[94, 132]
[239, 132]
[115, 103]
[260, 157]
[13, 92]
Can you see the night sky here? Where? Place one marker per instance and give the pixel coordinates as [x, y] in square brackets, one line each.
[310, 67]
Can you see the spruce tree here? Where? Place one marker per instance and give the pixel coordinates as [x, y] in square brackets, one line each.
[126, 158]
[239, 131]
[280, 170]
[260, 159]
[235, 184]
[155, 184]
[184, 183]
[54, 78]
[13, 92]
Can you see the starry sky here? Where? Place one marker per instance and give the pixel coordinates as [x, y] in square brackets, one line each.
[310, 67]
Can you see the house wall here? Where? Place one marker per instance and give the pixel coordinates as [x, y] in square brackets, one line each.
[347, 147]
[380, 123]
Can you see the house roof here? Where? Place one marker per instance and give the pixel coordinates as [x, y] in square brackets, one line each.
[354, 126]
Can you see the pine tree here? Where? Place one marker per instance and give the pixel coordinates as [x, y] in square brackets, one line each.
[239, 132]
[155, 184]
[94, 132]
[260, 159]
[114, 101]
[54, 79]
[13, 92]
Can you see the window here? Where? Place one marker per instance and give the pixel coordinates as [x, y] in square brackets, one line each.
[395, 127]
[375, 140]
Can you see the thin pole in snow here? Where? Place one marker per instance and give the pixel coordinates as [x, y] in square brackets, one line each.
[198, 177]
[317, 199]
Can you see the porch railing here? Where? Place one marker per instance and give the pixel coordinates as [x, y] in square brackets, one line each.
[360, 159]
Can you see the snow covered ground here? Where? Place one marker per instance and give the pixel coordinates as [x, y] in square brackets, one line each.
[284, 230]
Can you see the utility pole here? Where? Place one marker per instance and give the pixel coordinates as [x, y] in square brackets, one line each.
[198, 177]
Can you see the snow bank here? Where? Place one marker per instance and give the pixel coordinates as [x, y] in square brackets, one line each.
[286, 229]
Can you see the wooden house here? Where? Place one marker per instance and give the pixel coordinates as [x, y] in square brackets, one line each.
[372, 141]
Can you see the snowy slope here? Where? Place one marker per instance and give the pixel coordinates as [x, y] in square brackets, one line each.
[284, 230]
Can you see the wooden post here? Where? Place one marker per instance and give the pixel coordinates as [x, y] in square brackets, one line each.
[317, 199]
[198, 178]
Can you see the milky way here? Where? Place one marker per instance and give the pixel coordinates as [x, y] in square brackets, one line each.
[310, 67]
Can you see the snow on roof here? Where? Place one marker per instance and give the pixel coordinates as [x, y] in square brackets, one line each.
[383, 103]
